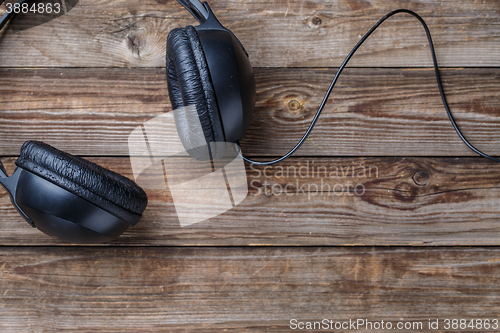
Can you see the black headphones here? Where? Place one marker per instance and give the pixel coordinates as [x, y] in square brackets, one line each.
[78, 201]
[69, 197]
[207, 66]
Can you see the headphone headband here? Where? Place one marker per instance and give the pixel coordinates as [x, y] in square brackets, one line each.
[7, 16]
[196, 8]
[3, 173]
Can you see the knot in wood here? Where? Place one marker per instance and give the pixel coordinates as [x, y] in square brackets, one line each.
[316, 21]
[421, 178]
[294, 105]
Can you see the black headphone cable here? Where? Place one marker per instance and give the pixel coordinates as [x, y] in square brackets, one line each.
[341, 68]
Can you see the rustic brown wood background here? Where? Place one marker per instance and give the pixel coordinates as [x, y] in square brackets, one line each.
[420, 242]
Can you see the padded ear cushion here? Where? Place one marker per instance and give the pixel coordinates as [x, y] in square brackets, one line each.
[189, 83]
[108, 190]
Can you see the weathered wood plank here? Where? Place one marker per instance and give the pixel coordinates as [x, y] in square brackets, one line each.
[374, 112]
[276, 33]
[323, 201]
[241, 289]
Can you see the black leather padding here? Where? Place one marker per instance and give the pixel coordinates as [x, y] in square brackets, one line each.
[112, 192]
[189, 82]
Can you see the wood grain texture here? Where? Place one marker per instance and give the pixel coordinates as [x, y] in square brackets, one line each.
[276, 33]
[322, 201]
[240, 289]
[372, 112]
[382, 168]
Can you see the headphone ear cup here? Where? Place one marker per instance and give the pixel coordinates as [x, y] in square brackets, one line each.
[108, 190]
[189, 83]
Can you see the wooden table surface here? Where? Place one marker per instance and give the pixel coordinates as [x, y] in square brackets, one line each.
[419, 243]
